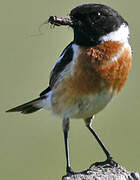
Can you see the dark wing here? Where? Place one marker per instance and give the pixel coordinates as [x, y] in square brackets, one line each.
[64, 59]
[45, 91]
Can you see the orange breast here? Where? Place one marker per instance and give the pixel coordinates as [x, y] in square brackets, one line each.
[93, 71]
[115, 72]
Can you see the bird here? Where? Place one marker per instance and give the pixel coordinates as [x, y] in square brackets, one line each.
[89, 72]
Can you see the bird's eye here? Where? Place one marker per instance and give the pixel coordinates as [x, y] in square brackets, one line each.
[95, 15]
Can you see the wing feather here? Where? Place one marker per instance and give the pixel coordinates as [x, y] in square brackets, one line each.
[64, 59]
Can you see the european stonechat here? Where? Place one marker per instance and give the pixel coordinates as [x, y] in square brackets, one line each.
[91, 70]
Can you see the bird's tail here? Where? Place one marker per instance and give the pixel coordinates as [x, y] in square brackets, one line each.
[31, 106]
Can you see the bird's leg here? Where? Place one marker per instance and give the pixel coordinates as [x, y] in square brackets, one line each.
[65, 131]
[109, 159]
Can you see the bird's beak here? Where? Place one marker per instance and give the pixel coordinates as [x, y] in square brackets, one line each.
[60, 21]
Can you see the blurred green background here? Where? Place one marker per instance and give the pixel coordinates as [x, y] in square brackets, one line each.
[31, 146]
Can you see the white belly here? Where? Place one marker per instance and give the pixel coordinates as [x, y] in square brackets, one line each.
[92, 104]
[85, 106]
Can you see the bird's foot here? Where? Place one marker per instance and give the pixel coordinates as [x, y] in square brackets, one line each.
[70, 171]
[108, 161]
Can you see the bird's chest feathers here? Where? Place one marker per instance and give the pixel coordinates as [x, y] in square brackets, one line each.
[104, 66]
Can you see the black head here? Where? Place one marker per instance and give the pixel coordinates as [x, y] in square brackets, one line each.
[92, 21]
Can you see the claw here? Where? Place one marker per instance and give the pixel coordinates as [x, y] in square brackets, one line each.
[108, 161]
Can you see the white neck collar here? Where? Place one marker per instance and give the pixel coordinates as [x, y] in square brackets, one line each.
[122, 35]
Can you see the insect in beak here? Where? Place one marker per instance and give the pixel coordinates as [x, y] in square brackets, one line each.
[60, 21]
